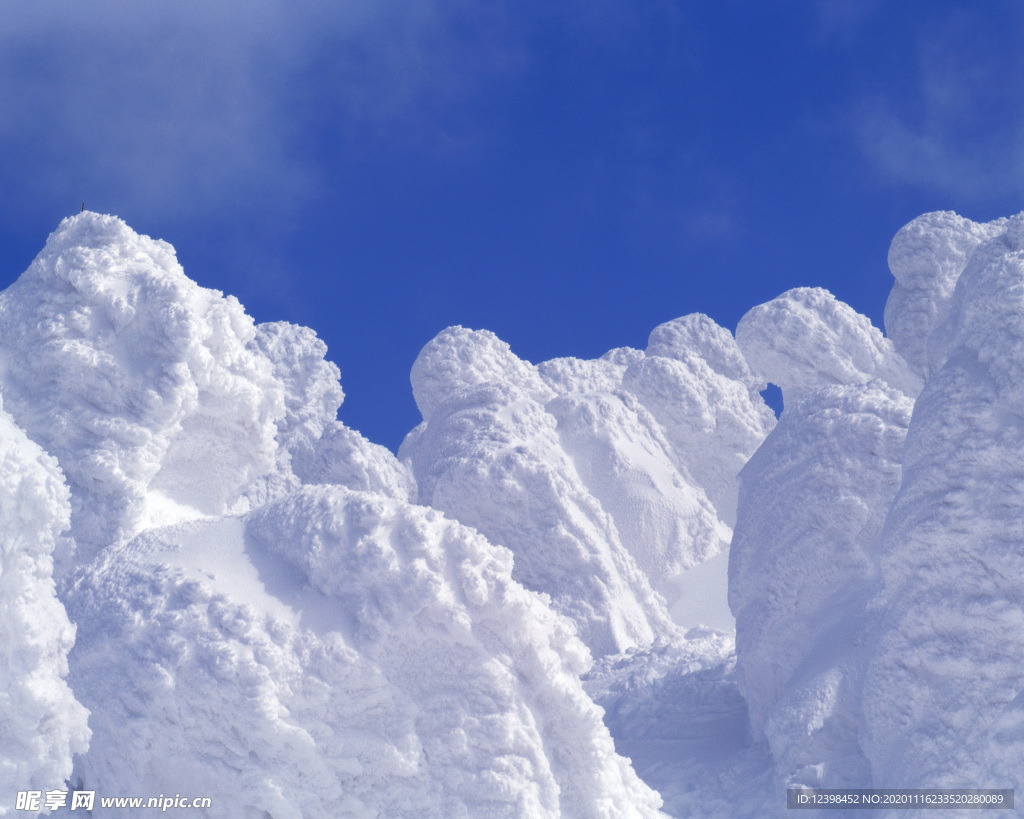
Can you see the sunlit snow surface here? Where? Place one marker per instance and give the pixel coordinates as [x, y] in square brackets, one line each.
[210, 586]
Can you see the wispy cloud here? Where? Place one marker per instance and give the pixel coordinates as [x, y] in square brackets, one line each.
[185, 108]
[957, 125]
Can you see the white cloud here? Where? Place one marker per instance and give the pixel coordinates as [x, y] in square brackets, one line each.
[185, 108]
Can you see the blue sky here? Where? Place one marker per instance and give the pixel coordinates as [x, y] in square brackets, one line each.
[568, 175]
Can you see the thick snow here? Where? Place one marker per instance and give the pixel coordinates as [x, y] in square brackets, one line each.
[676, 710]
[134, 378]
[262, 614]
[951, 631]
[41, 722]
[927, 257]
[338, 653]
[875, 570]
[493, 432]
[803, 562]
[806, 339]
[607, 479]
[696, 383]
[209, 585]
[156, 394]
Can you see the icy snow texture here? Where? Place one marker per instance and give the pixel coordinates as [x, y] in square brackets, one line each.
[875, 570]
[262, 615]
[927, 257]
[41, 723]
[696, 384]
[160, 399]
[804, 558]
[806, 339]
[675, 709]
[607, 479]
[943, 694]
[803, 561]
[134, 378]
[339, 653]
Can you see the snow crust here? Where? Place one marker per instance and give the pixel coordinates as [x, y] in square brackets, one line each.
[210, 585]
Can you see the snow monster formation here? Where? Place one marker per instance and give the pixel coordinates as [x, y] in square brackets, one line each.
[814, 497]
[607, 479]
[263, 616]
[878, 562]
[210, 586]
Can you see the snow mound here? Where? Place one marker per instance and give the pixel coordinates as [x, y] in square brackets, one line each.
[339, 653]
[875, 566]
[706, 400]
[806, 339]
[134, 377]
[160, 399]
[574, 375]
[494, 461]
[698, 336]
[926, 258]
[41, 722]
[343, 457]
[607, 479]
[265, 615]
[458, 360]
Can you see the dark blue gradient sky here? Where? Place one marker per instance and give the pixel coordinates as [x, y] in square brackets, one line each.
[568, 175]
